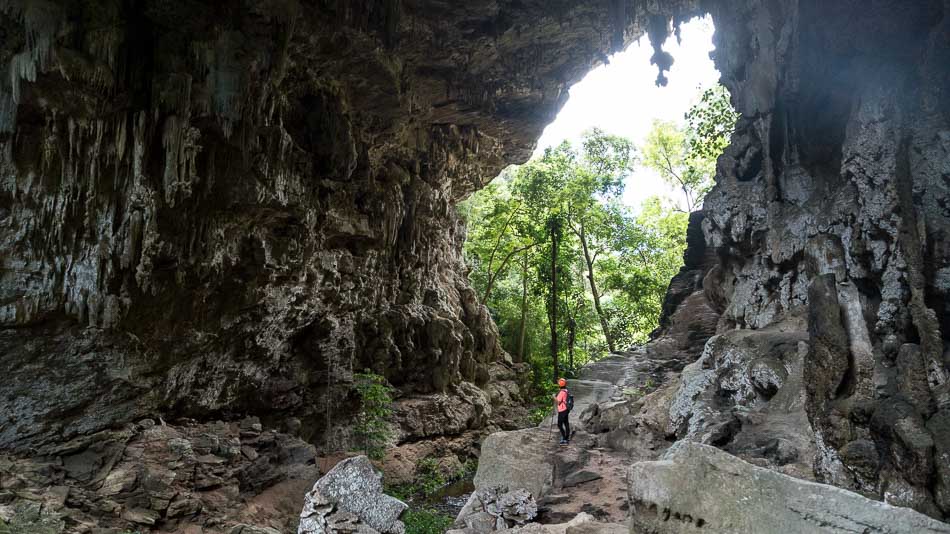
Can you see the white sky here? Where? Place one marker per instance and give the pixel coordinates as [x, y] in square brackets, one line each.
[622, 98]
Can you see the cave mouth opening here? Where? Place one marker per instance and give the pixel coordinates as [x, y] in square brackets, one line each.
[573, 251]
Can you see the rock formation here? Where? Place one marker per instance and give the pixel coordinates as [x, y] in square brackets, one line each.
[231, 477]
[350, 498]
[827, 225]
[210, 210]
[494, 509]
[697, 488]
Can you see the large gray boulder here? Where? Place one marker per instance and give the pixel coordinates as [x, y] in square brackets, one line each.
[583, 523]
[519, 459]
[698, 488]
[351, 494]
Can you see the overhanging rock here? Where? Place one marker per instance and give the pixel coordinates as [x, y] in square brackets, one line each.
[698, 488]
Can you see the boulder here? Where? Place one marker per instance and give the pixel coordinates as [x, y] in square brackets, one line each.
[495, 509]
[745, 395]
[351, 494]
[520, 459]
[583, 523]
[698, 488]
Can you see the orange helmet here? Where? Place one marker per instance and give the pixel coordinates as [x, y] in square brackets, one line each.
[561, 382]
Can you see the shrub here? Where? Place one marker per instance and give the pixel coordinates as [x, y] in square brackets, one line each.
[429, 477]
[468, 469]
[372, 422]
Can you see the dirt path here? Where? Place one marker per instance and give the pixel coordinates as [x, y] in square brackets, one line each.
[587, 477]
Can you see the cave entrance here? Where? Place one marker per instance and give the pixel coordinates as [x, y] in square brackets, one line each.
[573, 251]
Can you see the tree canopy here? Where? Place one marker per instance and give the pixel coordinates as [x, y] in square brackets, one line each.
[685, 154]
[568, 272]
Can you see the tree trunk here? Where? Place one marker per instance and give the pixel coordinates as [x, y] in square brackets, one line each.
[593, 290]
[552, 313]
[571, 337]
[524, 306]
[493, 275]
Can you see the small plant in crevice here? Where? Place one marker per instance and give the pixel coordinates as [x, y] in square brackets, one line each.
[635, 392]
[372, 422]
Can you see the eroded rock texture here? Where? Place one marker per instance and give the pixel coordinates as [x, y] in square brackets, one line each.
[829, 222]
[215, 209]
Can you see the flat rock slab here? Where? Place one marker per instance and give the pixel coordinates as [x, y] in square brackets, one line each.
[701, 489]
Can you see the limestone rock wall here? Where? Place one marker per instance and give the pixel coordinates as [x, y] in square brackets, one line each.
[830, 206]
[210, 210]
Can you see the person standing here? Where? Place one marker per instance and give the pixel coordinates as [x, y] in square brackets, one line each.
[563, 401]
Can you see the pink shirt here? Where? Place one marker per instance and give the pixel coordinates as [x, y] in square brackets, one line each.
[562, 400]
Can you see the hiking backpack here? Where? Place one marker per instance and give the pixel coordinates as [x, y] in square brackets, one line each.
[570, 401]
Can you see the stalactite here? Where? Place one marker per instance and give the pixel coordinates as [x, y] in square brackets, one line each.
[41, 21]
[8, 112]
[658, 29]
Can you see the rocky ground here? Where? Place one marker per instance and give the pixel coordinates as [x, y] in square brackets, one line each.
[589, 475]
[182, 478]
[624, 471]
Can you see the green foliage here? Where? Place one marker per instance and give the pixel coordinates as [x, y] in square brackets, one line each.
[372, 422]
[542, 406]
[468, 469]
[566, 270]
[429, 477]
[685, 155]
[710, 124]
[426, 521]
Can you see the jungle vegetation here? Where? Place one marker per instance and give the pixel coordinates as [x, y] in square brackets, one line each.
[567, 270]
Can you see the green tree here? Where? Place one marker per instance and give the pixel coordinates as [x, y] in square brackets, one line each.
[592, 189]
[569, 273]
[550, 214]
[685, 155]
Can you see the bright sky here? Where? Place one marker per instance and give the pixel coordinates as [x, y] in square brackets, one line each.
[622, 98]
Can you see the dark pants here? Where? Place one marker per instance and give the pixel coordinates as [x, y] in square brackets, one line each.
[563, 425]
